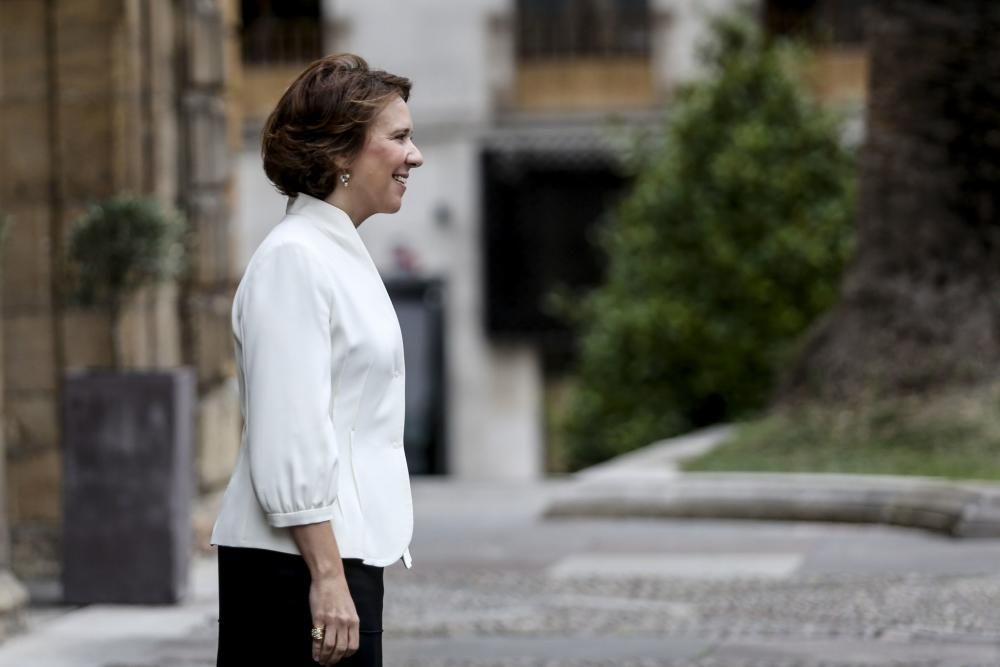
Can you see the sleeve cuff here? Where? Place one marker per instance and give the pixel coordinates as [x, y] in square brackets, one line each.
[300, 518]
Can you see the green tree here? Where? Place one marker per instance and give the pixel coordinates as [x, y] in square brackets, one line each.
[729, 245]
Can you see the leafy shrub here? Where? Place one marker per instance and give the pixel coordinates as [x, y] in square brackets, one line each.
[731, 242]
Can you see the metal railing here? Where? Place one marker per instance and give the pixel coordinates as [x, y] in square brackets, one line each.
[271, 40]
[567, 29]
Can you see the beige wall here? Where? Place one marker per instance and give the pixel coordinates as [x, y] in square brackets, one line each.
[585, 84]
[839, 76]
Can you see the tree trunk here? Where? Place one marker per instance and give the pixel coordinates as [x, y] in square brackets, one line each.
[114, 312]
[920, 305]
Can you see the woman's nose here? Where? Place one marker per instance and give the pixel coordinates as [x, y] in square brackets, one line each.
[415, 158]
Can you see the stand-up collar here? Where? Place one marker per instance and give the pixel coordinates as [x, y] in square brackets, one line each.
[322, 211]
[330, 219]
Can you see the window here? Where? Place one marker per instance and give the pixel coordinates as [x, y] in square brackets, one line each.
[277, 32]
[567, 29]
[830, 22]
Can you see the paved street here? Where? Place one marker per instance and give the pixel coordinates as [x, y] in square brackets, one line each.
[495, 586]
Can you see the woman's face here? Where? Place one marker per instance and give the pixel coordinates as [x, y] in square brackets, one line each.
[379, 172]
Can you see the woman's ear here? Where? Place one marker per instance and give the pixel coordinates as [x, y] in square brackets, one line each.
[340, 165]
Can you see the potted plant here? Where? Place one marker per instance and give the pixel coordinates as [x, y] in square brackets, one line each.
[127, 466]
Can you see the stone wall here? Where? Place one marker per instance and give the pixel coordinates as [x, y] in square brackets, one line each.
[94, 104]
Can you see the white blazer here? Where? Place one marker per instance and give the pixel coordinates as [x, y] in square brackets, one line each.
[319, 358]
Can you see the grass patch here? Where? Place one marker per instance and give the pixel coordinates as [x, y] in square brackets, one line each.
[954, 436]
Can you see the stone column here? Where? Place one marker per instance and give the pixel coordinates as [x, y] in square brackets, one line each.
[209, 137]
[29, 357]
[13, 595]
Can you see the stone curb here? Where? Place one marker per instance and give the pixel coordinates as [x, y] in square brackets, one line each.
[958, 509]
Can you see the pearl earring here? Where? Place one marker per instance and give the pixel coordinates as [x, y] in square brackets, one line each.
[345, 178]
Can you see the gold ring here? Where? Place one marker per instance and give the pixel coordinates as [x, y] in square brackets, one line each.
[318, 633]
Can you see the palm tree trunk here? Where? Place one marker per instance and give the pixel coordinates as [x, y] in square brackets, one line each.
[920, 306]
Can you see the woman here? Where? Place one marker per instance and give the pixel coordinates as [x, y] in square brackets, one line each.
[319, 501]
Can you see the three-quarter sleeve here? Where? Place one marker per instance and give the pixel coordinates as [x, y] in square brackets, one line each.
[285, 323]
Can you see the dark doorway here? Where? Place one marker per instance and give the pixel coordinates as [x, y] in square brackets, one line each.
[419, 307]
[543, 213]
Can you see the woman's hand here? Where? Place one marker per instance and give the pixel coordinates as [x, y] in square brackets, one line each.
[333, 609]
[329, 598]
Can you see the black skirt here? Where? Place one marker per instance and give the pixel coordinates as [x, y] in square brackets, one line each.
[264, 615]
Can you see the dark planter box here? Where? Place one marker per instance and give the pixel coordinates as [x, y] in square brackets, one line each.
[127, 485]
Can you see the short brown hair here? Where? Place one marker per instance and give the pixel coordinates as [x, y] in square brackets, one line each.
[322, 121]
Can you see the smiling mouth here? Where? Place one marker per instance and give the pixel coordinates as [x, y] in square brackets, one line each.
[399, 179]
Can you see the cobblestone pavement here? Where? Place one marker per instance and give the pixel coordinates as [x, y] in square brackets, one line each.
[492, 618]
[488, 603]
[814, 620]
[494, 585]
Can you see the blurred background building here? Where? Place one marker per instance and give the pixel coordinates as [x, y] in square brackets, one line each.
[522, 109]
